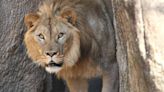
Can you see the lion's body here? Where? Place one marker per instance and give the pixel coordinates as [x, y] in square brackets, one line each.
[80, 35]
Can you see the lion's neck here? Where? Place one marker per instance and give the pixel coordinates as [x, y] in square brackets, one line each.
[84, 68]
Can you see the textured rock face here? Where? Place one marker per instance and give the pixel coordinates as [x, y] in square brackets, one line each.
[139, 32]
[17, 72]
[153, 17]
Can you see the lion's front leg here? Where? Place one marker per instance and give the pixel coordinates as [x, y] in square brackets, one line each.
[77, 85]
[110, 79]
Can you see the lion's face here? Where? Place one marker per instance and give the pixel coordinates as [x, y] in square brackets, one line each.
[51, 42]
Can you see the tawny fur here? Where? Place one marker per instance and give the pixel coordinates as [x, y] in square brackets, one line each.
[82, 49]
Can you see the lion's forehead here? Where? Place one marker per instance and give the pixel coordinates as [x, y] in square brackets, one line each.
[55, 25]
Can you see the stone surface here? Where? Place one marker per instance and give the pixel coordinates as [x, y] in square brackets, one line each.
[140, 48]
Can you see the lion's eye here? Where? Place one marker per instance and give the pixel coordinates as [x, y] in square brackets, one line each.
[41, 36]
[60, 35]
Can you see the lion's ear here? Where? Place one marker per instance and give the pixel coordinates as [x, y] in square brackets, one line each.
[29, 19]
[70, 16]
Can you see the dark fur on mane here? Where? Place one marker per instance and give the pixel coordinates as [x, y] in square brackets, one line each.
[89, 45]
[89, 52]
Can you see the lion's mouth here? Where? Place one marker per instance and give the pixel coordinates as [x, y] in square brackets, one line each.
[53, 67]
[53, 64]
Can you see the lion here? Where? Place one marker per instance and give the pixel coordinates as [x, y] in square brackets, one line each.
[73, 39]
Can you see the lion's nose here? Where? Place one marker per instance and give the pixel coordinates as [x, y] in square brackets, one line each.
[51, 53]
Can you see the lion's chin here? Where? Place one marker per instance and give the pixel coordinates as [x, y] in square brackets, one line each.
[53, 69]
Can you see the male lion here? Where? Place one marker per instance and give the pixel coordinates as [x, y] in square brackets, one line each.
[73, 39]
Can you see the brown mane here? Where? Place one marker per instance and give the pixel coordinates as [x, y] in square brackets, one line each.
[65, 7]
[90, 44]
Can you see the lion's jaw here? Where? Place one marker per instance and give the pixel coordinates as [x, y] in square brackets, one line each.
[53, 69]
